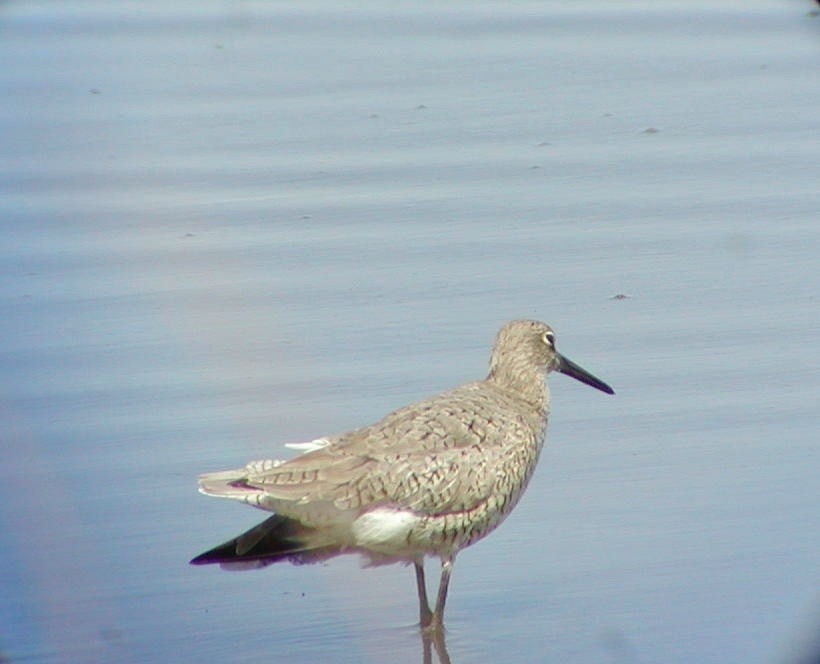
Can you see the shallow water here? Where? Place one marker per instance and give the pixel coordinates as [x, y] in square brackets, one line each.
[230, 225]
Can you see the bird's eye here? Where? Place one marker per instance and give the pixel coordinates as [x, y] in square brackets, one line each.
[549, 339]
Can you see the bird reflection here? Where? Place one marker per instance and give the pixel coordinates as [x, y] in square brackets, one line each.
[434, 640]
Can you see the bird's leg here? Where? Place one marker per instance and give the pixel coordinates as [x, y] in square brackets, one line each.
[437, 619]
[425, 615]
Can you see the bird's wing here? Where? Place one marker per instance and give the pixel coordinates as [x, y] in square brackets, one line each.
[434, 457]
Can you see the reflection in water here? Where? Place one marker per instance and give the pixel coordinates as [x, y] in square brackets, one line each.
[434, 639]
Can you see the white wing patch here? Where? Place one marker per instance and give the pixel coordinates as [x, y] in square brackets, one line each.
[384, 529]
[309, 446]
[264, 465]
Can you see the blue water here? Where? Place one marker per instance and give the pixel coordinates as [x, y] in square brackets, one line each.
[227, 226]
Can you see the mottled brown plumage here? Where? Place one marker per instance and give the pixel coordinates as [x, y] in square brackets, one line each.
[428, 479]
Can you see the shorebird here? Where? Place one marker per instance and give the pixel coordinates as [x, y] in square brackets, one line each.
[428, 479]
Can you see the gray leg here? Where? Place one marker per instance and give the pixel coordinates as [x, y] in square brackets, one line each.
[425, 615]
[438, 615]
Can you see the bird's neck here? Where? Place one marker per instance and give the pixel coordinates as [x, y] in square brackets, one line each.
[526, 382]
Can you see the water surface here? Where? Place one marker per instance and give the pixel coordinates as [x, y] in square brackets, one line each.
[230, 225]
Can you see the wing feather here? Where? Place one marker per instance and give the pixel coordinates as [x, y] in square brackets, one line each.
[428, 457]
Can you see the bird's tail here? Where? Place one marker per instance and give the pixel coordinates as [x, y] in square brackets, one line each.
[276, 539]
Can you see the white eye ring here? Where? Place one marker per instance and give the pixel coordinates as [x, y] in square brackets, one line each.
[549, 339]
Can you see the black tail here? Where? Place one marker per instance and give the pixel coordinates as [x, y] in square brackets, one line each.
[276, 538]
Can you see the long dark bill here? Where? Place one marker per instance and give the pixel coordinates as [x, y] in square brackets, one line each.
[569, 368]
